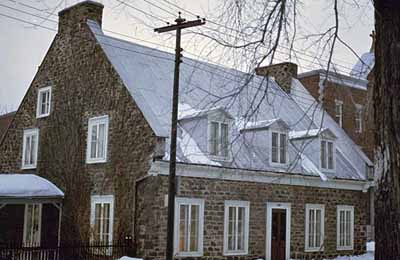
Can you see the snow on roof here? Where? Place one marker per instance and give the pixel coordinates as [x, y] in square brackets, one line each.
[147, 73]
[185, 111]
[310, 133]
[363, 66]
[262, 124]
[27, 186]
[350, 81]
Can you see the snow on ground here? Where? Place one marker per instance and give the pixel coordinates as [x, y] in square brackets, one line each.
[129, 258]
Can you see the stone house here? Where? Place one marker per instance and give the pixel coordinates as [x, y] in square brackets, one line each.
[262, 172]
[348, 99]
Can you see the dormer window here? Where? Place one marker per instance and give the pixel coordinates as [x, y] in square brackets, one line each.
[43, 102]
[327, 155]
[219, 141]
[278, 148]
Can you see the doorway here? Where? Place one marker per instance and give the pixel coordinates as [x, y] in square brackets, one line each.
[278, 231]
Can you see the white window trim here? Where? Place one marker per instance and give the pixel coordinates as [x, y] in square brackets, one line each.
[30, 132]
[314, 207]
[326, 150]
[279, 154]
[92, 121]
[38, 105]
[185, 201]
[26, 220]
[236, 203]
[218, 157]
[340, 103]
[346, 208]
[96, 199]
[359, 109]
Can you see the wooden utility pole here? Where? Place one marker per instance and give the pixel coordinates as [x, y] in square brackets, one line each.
[180, 24]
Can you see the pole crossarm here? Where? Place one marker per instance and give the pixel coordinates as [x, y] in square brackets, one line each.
[180, 24]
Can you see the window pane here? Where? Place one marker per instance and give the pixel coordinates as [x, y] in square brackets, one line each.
[311, 241]
[232, 228]
[101, 141]
[283, 144]
[330, 155]
[27, 150]
[97, 223]
[194, 228]
[348, 228]
[241, 220]
[183, 227]
[323, 154]
[33, 149]
[224, 140]
[214, 138]
[93, 142]
[274, 146]
[318, 228]
[106, 222]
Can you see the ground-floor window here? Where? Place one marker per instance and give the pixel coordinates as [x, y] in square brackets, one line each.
[345, 227]
[102, 218]
[314, 235]
[189, 219]
[32, 224]
[236, 227]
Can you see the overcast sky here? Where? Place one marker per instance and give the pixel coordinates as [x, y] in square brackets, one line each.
[23, 46]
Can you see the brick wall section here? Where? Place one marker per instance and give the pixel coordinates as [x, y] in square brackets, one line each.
[153, 221]
[84, 85]
[350, 96]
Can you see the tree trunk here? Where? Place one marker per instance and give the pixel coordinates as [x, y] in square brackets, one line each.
[387, 123]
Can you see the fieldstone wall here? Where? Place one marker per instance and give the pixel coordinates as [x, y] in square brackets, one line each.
[84, 85]
[152, 221]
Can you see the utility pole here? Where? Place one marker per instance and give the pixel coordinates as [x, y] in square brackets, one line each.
[180, 24]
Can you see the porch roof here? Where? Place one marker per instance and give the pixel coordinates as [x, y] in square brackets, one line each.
[22, 187]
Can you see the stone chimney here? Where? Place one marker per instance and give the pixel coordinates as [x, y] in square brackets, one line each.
[282, 72]
[72, 18]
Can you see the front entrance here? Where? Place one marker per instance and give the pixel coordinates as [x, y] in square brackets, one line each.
[278, 236]
[278, 231]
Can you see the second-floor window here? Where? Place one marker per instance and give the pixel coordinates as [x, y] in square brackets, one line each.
[278, 148]
[219, 140]
[30, 148]
[339, 112]
[327, 155]
[43, 102]
[359, 119]
[97, 140]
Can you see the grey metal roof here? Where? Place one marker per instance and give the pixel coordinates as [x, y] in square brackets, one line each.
[148, 75]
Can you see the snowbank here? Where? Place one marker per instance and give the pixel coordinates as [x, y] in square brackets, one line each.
[129, 258]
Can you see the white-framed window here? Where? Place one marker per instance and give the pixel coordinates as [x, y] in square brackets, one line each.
[219, 139]
[345, 227]
[359, 119]
[43, 102]
[339, 112]
[102, 218]
[327, 155]
[189, 220]
[97, 140]
[279, 144]
[236, 227]
[30, 148]
[32, 225]
[315, 218]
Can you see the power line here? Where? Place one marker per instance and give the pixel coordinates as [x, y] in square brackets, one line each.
[160, 57]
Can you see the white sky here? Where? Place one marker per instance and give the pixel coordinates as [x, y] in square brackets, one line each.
[23, 46]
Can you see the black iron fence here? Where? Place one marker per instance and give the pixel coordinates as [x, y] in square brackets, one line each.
[68, 251]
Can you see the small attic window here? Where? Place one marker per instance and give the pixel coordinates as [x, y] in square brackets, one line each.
[219, 141]
[327, 155]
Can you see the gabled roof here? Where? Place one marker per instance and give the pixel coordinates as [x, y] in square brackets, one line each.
[147, 73]
[310, 133]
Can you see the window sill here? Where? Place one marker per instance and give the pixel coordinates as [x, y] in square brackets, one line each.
[220, 158]
[28, 167]
[189, 254]
[311, 250]
[42, 116]
[235, 253]
[95, 161]
[343, 248]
